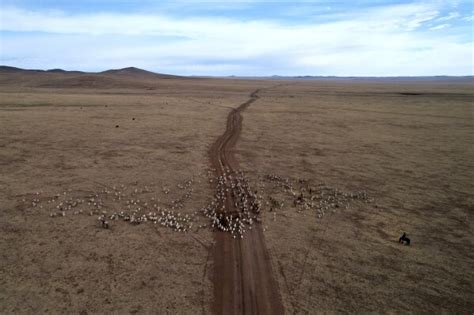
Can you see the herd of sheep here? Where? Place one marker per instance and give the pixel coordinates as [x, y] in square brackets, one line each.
[235, 207]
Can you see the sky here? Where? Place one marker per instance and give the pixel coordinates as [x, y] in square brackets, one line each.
[242, 38]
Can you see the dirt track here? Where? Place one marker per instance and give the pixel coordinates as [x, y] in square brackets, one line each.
[243, 277]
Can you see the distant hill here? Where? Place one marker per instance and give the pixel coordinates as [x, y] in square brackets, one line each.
[56, 70]
[130, 77]
[8, 69]
[132, 71]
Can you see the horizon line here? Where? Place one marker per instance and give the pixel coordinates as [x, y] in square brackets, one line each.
[240, 76]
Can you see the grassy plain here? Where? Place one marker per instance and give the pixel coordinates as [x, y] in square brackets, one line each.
[408, 145]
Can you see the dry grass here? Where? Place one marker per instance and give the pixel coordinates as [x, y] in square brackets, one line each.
[410, 153]
[56, 141]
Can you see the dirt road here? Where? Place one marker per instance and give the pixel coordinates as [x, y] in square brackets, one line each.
[243, 276]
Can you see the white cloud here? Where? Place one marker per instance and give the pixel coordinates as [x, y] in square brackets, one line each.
[440, 27]
[382, 41]
[450, 16]
[402, 16]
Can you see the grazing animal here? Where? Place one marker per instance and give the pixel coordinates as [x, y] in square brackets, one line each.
[404, 239]
[104, 222]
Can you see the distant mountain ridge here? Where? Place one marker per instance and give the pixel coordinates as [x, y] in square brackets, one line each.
[137, 72]
[133, 71]
[128, 71]
[130, 77]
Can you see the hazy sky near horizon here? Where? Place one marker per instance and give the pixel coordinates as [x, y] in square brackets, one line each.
[247, 37]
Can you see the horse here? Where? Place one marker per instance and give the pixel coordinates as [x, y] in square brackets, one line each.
[404, 239]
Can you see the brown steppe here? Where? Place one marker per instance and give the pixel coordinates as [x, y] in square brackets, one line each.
[406, 144]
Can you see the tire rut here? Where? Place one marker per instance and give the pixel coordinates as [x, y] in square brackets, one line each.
[243, 277]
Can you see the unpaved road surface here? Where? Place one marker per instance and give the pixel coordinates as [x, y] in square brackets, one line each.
[243, 277]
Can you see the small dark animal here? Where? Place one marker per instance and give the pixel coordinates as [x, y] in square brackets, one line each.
[116, 126]
[404, 239]
[104, 222]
